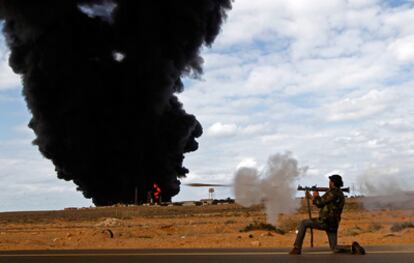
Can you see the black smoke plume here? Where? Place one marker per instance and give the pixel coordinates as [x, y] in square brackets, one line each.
[99, 79]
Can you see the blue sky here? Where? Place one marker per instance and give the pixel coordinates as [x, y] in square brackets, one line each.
[329, 80]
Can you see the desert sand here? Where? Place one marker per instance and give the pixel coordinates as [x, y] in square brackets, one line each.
[190, 226]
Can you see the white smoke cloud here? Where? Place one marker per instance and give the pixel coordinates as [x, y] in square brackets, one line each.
[222, 130]
[273, 186]
[375, 182]
[382, 188]
[247, 186]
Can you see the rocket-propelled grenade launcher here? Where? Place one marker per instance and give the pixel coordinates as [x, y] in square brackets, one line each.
[319, 189]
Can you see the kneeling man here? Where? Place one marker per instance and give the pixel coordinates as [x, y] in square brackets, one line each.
[331, 205]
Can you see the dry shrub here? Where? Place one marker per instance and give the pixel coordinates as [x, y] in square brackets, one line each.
[262, 226]
[396, 227]
[353, 205]
[229, 222]
[374, 227]
[289, 223]
[353, 231]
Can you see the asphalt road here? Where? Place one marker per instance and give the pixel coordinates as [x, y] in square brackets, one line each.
[374, 254]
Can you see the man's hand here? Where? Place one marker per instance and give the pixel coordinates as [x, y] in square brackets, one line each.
[308, 195]
[315, 194]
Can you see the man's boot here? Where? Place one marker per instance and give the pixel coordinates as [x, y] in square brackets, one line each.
[357, 249]
[295, 251]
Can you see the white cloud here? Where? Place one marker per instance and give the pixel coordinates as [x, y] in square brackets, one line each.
[219, 130]
[403, 49]
[340, 172]
[255, 128]
[266, 78]
[248, 162]
[28, 181]
[8, 79]
[369, 104]
[313, 172]
[275, 137]
[398, 124]
[23, 130]
[330, 81]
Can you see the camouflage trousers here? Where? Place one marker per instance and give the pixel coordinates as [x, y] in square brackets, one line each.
[331, 233]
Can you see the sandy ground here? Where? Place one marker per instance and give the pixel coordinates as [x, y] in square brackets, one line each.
[208, 226]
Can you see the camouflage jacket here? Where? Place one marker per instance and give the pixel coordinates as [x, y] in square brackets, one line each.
[331, 205]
